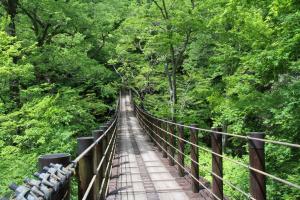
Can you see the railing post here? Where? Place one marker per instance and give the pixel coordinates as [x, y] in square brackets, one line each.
[60, 158]
[138, 115]
[180, 130]
[165, 137]
[154, 121]
[134, 110]
[172, 143]
[146, 124]
[104, 144]
[195, 157]
[217, 163]
[113, 134]
[257, 161]
[150, 124]
[96, 161]
[151, 129]
[85, 166]
[159, 136]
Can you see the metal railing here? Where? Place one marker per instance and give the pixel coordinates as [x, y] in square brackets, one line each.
[93, 164]
[92, 168]
[170, 139]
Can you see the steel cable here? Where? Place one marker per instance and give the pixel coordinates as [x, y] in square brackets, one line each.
[220, 178]
[99, 166]
[232, 160]
[223, 133]
[94, 143]
[186, 169]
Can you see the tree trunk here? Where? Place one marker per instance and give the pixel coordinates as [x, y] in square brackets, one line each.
[174, 92]
[171, 89]
[11, 9]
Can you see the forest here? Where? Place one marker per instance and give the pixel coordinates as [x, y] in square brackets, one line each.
[233, 64]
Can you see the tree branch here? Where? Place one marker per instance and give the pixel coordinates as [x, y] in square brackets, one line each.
[160, 8]
[42, 39]
[193, 4]
[169, 77]
[33, 20]
[2, 99]
[184, 46]
[165, 9]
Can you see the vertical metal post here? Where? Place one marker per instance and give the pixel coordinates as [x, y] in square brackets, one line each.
[165, 137]
[217, 164]
[195, 157]
[146, 124]
[257, 161]
[134, 110]
[96, 161]
[158, 132]
[113, 133]
[85, 166]
[180, 130]
[59, 158]
[101, 154]
[154, 129]
[104, 144]
[151, 129]
[172, 143]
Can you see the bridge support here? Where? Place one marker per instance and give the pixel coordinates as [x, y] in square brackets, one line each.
[165, 137]
[96, 160]
[257, 161]
[59, 158]
[195, 158]
[85, 166]
[159, 135]
[217, 164]
[104, 143]
[172, 145]
[180, 160]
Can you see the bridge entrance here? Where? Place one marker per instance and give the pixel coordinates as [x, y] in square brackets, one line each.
[139, 171]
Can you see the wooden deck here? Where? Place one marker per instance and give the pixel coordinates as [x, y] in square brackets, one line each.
[139, 171]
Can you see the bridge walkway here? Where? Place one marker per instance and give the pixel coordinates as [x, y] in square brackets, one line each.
[139, 172]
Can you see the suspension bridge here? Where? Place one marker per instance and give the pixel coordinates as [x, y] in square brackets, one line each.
[139, 156]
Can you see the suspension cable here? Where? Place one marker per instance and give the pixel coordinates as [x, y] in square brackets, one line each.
[94, 143]
[220, 178]
[186, 169]
[226, 182]
[99, 166]
[234, 161]
[223, 133]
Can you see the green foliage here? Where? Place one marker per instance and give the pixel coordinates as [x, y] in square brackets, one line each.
[239, 70]
[228, 63]
[55, 80]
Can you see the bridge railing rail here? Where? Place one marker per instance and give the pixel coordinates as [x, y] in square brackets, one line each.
[170, 138]
[92, 168]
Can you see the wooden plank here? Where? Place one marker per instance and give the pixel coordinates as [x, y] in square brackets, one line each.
[139, 170]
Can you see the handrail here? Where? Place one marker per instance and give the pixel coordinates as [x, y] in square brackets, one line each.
[225, 133]
[100, 191]
[185, 168]
[87, 192]
[53, 182]
[154, 125]
[232, 160]
[188, 157]
[94, 143]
